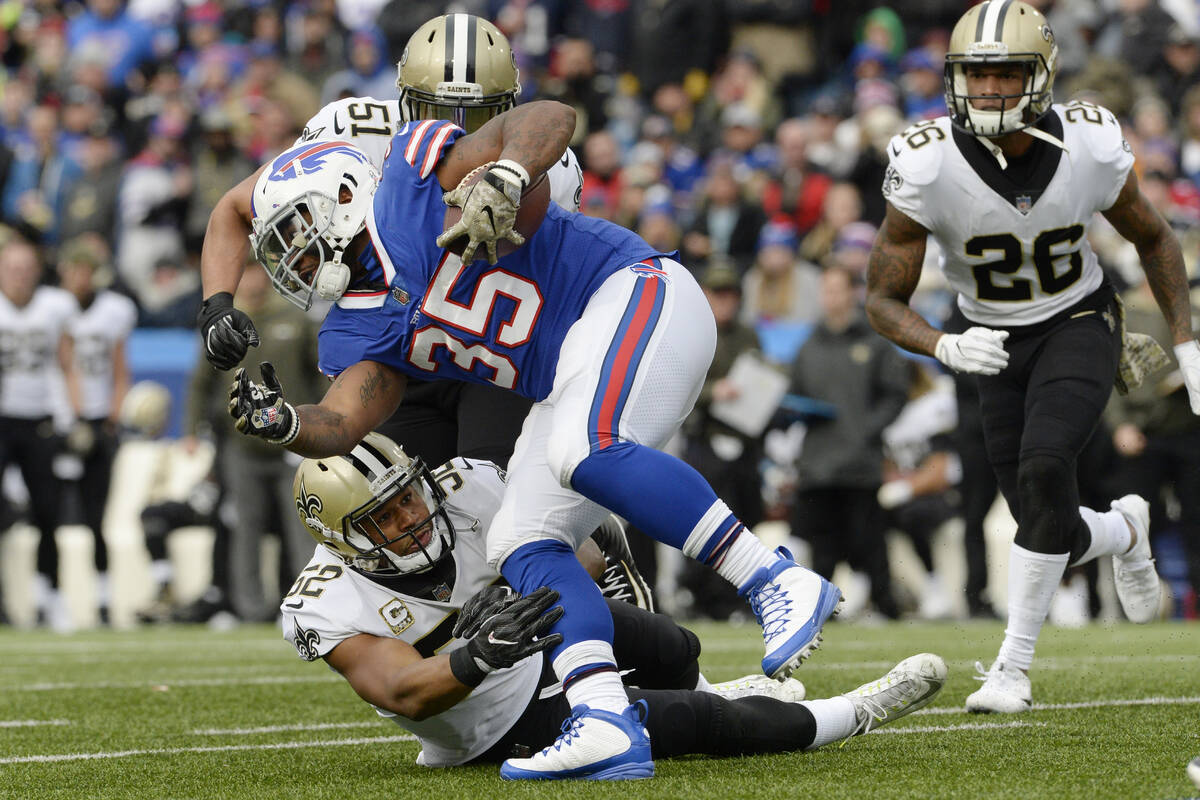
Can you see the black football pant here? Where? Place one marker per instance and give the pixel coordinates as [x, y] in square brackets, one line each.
[31, 444]
[1039, 413]
[439, 420]
[663, 657]
[89, 494]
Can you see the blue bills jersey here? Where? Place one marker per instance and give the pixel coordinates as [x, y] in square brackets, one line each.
[435, 317]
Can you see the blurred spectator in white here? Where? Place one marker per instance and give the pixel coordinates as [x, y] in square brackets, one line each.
[36, 189]
[370, 74]
[780, 287]
[842, 205]
[95, 344]
[105, 27]
[797, 189]
[217, 165]
[152, 203]
[33, 360]
[726, 223]
[601, 175]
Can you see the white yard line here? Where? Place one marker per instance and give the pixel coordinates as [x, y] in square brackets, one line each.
[171, 683]
[1134, 701]
[316, 726]
[47, 759]
[969, 726]
[31, 723]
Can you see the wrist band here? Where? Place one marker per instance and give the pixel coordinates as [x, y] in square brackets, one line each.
[509, 169]
[464, 668]
[293, 431]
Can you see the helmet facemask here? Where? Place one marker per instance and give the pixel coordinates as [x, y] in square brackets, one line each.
[293, 248]
[1020, 110]
[463, 104]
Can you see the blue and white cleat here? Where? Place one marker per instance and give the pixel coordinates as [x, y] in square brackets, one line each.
[792, 604]
[594, 745]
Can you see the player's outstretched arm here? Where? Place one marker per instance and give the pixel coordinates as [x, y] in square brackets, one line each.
[391, 674]
[1138, 220]
[225, 331]
[361, 398]
[892, 274]
[534, 135]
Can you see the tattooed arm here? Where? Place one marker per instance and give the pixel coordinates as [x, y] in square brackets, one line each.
[535, 135]
[1138, 221]
[358, 401]
[892, 274]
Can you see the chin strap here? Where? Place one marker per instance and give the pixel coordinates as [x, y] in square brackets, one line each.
[1038, 133]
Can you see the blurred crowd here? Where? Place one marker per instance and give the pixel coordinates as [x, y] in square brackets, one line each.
[750, 135]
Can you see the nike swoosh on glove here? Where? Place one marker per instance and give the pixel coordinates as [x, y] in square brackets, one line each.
[978, 351]
[1188, 355]
[226, 331]
[489, 209]
[516, 632]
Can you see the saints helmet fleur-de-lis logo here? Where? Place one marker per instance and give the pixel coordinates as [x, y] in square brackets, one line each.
[309, 505]
[1047, 34]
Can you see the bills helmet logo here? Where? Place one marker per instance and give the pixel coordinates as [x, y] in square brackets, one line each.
[308, 158]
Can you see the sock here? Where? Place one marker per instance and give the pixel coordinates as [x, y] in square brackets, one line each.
[589, 676]
[835, 719]
[103, 592]
[41, 590]
[160, 571]
[1110, 534]
[702, 684]
[1032, 581]
[719, 540]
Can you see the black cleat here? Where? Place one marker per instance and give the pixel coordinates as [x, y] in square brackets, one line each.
[621, 579]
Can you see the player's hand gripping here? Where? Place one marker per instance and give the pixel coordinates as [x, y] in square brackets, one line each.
[259, 408]
[489, 601]
[1188, 356]
[979, 351]
[226, 332]
[489, 209]
[516, 632]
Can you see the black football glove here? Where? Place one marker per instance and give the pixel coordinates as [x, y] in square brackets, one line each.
[509, 636]
[259, 408]
[226, 331]
[489, 601]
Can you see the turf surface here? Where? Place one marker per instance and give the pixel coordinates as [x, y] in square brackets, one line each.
[189, 713]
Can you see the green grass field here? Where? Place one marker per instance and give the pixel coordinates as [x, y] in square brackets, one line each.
[189, 713]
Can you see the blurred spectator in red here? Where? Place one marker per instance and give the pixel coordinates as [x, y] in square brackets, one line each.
[106, 27]
[151, 205]
[601, 175]
[796, 190]
[727, 222]
[780, 287]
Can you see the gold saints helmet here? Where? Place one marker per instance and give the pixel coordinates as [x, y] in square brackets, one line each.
[458, 67]
[337, 499]
[1001, 32]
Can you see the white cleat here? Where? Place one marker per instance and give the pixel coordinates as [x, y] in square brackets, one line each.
[789, 690]
[594, 745]
[792, 604]
[1138, 586]
[1193, 771]
[909, 685]
[1005, 690]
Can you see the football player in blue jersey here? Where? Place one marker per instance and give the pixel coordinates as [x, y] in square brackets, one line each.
[610, 338]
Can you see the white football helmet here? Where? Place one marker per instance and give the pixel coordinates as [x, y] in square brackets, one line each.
[458, 67]
[338, 498]
[307, 206]
[1001, 32]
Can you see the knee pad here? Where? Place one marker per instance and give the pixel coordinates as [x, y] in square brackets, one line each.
[1049, 512]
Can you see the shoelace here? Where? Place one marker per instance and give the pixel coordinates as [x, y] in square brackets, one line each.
[570, 730]
[615, 585]
[983, 673]
[875, 709]
[770, 605]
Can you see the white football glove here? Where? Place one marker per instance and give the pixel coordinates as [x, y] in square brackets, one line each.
[489, 209]
[1188, 356]
[979, 351]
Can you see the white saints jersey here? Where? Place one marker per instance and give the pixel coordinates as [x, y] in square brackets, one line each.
[95, 334]
[30, 376]
[370, 124]
[1016, 254]
[331, 602]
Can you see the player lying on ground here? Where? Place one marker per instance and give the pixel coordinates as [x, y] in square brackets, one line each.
[609, 337]
[403, 573]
